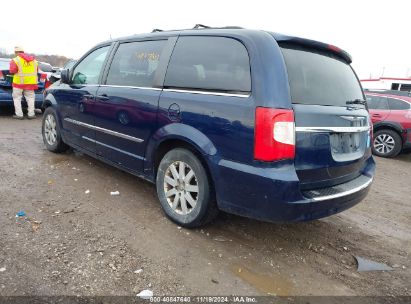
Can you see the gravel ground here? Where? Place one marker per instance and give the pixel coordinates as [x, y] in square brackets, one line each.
[94, 244]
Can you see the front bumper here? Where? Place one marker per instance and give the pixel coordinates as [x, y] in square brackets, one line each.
[275, 195]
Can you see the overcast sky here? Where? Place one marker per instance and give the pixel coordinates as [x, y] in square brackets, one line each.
[376, 33]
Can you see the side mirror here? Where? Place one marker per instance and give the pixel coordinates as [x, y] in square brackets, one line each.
[65, 76]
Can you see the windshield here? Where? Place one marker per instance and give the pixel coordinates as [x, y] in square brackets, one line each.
[4, 64]
[320, 78]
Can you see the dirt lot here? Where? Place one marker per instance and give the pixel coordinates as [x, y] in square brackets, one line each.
[73, 243]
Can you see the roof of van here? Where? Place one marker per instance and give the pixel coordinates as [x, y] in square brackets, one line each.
[242, 32]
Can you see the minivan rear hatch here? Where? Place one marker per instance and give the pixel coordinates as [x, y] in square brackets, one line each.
[331, 119]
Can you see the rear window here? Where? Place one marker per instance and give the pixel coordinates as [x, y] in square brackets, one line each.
[209, 63]
[320, 78]
[4, 64]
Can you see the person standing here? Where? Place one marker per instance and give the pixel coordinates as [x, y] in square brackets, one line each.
[24, 68]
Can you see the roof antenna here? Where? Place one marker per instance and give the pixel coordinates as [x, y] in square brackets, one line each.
[156, 30]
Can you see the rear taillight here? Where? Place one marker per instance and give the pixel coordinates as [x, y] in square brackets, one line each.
[1, 75]
[43, 77]
[274, 137]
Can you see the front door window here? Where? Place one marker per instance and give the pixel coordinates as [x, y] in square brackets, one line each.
[89, 69]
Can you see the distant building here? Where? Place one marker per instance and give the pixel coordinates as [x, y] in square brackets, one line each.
[387, 83]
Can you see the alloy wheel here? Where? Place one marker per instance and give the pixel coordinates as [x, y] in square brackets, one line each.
[50, 132]
[384, 143]
[181, 187]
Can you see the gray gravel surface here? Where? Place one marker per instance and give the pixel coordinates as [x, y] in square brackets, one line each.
[73, 243]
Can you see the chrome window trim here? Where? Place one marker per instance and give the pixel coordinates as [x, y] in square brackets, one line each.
[333, 129]
[207, 93]
[348, 192]
[172, 90]
[114, 148]
[107, 131]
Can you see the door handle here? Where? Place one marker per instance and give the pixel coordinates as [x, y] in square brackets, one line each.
[103, 97]
[376, 115]
[88, 96]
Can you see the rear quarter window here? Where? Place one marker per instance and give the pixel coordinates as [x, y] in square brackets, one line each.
[209, 63]
[396, 104]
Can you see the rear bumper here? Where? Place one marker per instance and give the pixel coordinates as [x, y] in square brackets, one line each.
[407, 139]
[275, 195]
[6, 99]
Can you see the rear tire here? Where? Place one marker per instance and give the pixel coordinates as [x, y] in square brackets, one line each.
[184, 189]
[51, 132]
[386, 143]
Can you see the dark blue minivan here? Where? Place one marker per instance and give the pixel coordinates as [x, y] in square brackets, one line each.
[250, 122]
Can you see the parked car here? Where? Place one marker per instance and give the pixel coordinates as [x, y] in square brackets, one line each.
[250, 122]
[57, 73]
[391, 117]
[6, 89]
[47, 69]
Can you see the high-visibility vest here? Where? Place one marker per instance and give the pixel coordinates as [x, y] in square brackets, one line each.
[27, 73]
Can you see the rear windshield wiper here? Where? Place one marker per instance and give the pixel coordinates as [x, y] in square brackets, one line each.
[356, 101]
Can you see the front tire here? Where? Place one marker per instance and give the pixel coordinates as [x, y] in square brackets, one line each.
[51, 132]
[386, 143]
[184, 189]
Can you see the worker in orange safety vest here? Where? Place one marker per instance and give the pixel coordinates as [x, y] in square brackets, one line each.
[24, 68]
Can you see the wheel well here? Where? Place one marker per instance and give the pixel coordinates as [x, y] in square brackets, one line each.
[121, 111]
[46, 104]
[170, 144]
[385, 127]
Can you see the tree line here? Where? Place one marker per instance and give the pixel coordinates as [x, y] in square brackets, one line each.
[54, 60]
